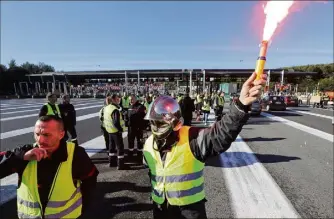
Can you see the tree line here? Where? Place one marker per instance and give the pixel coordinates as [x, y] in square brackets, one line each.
[14, 72]
[323, 80]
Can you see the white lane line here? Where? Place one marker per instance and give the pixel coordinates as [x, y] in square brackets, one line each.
[36, 114]
[253, 191]
[39, 105]
[8, 185]
[23, 111]
[304, 128]
[23, 131]
[309, 113]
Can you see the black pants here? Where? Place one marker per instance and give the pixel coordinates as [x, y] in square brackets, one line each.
[193, 211]
[187, 120]
[116, 141]
[219, 113]
[106, 137]
[71, 130]
[135, 133]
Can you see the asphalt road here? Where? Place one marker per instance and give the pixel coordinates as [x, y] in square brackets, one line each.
[273, 170]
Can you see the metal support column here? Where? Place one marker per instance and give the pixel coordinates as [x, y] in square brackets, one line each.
[126, 81]
[138, 85]
[53, 84]
[15, 89]
[59, 87]
[191, 82]
[177, 86]
[282, 78]
[203, 80]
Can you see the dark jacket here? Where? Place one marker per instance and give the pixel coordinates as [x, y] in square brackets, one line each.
[68, 114]
[44, 110]
[82, 169]
[187, 107]
[136, 114]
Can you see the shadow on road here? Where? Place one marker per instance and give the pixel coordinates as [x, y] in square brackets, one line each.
[104, 206]
[259, 139]
[241, 159]
[8, 210]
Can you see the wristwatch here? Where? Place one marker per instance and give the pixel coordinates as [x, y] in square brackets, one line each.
[245, 108]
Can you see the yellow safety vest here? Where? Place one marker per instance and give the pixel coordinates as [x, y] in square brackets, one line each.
[199, 99]
[180, 179]
[206, 105]
[126, 102]
[108, 122]
[65, 198]
[147, 105]
[221, 101]
[51, 112]
[179, 98]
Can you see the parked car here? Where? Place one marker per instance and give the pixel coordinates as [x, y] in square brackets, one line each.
[273, 103]
[291, 101]
[256, 108]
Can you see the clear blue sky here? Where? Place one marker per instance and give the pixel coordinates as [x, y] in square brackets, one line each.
[145, 35]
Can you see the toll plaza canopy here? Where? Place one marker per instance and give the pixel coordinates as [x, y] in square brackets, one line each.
[160, 73]
[144, 80]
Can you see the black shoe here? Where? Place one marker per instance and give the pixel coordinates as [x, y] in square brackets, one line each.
[130, 153]
[112, 161]
[120, 164]
[140, 156]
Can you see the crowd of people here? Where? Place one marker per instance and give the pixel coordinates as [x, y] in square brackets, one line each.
[57, 178]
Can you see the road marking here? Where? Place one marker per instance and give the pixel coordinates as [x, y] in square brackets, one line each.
[8, 185]
[313, 114]
[253, 191]
[31, 115]
[23, 111]
[23, 131]
[304, 128]
[39, 105]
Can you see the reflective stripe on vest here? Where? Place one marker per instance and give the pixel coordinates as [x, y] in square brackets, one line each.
[108, 121]
[125, 102]
[51, 112]
[65, 198]
[180, 179]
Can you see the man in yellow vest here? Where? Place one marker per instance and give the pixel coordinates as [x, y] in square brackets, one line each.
[101, 114]
[206, 108]
[125, 104]
[176, 154]
[51, 107]
[218, 105]
[114, 125]
[56, 178]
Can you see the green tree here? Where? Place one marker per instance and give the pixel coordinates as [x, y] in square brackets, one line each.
[326, 84]
[12, 63]
[45, 68]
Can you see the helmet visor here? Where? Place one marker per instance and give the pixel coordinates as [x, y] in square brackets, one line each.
[163, 108]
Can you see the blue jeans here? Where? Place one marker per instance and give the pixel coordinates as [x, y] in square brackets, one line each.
[206, 116]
